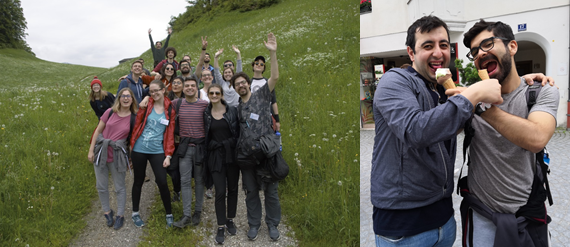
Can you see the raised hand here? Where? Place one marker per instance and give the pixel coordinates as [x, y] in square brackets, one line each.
[169, 30]
[149, 31]
[219, 52]
[235, 49]
[204, 43]
[271, 43]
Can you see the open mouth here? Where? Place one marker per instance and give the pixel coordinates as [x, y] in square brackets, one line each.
[490, 65]
[435, 65]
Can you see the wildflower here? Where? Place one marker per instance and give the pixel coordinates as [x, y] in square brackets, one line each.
[311, 135]
[16, 116]
[325, 134]
[334, 136]
[6, 146]
[355, 160]
[314, 145]
[3, 126]
[332, 151]
[290, 134]
[52, 188]
[325, 139]
[296, 154]
[46, 129]
[350, 131]
[339, 183]
[24, 133]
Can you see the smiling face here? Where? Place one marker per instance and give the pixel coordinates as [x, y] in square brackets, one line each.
[241, 86]
[431, 52]
[497, 60]
[190, 88]
[126, 99]
[258, 66]
[214, 94]
[170, 54]
[96, 88]
[169, 70]
[207, 77]
[156, 93]
[136, 68]
[228, 73]
[207, 58]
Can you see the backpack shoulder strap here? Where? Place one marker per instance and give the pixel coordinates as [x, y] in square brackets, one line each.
[110, 114]
[532, 94]
[131, 126]
[178, 104]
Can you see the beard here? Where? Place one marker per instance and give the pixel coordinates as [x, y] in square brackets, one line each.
[505, 66]
[206, 60]
[185, 70]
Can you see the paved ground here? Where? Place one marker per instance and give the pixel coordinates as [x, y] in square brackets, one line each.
[559, 183]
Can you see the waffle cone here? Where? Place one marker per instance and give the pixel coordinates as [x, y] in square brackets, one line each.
[449, 84]
[483, 74]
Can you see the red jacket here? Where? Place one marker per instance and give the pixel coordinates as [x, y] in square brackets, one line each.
[168, 142]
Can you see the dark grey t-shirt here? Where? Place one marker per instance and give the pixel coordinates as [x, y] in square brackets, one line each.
[255, 114]
[501, 173]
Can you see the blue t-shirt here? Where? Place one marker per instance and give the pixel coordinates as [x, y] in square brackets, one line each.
[150, 141]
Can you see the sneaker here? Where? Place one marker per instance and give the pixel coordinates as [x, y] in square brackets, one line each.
[175, 196]
[273, 232]
[109, 218]
[137, 220]
[169, 220]
[119, 222]
[220, 236]
[185, 221]
[231, 227]
[209, 193]
[252, 233]
[196, 218]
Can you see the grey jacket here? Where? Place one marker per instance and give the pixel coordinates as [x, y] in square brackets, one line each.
[120, 157]
[411, 167]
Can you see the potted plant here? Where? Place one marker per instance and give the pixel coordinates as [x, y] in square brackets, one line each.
[365, 6]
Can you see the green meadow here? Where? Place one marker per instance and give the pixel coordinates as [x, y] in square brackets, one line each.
[47, 185]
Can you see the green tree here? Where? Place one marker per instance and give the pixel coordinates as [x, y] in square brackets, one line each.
[468, 73]
[12, 25]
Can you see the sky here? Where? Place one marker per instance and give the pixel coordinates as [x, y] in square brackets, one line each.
[96, 33]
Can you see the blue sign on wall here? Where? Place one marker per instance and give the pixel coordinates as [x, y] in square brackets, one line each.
[522, 27]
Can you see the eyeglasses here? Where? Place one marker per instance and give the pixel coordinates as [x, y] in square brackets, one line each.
[154, 91]
[239, 83]
[176, 83]
[486, 45]
[206, 75]
[227, 65]
[126, 96]
[185, 65]
[216, 93]
[260, 64]
[169, 68]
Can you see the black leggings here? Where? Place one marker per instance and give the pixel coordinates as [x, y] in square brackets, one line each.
[228, 176]
[139, 168]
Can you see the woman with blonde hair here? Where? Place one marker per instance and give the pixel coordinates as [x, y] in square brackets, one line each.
[109, 153]
[100, 99]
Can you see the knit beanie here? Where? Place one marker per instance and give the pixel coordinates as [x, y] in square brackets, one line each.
[96, 80]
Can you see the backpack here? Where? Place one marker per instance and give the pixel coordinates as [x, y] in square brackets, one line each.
[534, 210]
[132, 125]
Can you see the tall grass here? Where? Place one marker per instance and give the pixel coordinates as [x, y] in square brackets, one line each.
[45, 111]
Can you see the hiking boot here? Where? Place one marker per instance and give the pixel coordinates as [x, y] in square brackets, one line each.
[169, 220]
[252, 233]
[137, 220]
[209, 194]
[175, 196]
[220, 236]
[273, 232]
[231, 227]
[196, 218]
[185, 221]
[109, 218]
[146, 179]
[119, 220]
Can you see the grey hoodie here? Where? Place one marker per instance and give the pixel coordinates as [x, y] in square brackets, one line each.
[411, 166]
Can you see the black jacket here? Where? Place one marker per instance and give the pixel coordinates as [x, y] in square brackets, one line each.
[231, 117]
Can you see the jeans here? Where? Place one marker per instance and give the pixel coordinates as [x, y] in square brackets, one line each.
[253, 201]
[443, 236]
[139, 168]
[187, 166]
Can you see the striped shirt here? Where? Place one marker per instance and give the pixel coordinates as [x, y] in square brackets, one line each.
[191, 118]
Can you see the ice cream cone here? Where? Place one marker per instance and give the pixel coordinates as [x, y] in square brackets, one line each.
[483, 74]
[449, 84]
[443, 74]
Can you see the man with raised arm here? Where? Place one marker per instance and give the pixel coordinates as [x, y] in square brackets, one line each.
[158, 51]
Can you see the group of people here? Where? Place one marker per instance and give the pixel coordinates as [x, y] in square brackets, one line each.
[188, 132]
[416, 126]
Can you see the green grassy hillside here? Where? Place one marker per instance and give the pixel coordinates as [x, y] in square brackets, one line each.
[316, 93]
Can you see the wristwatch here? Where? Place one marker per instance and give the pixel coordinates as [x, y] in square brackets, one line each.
[481, 107]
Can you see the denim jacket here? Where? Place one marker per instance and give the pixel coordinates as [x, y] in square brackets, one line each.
[411, 166]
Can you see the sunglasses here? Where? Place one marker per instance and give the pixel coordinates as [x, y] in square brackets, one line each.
[260, 64]
[227, 65]
[216, 93]
[169, 68]
[126, 96]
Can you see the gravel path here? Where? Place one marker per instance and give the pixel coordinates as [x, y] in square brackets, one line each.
[96, 233]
